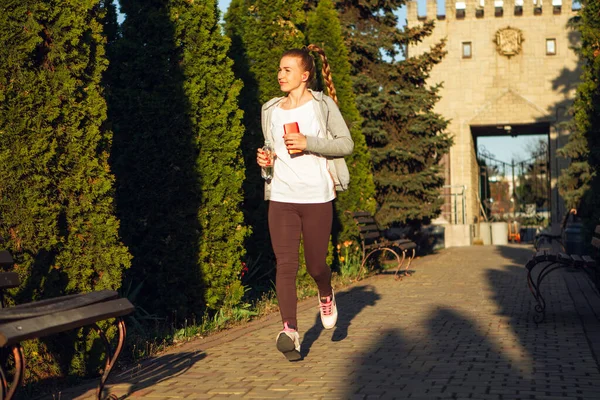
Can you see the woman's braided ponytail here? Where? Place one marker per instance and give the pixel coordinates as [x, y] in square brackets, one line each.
[326, 70]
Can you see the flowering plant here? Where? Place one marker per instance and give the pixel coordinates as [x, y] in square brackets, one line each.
[349, 256]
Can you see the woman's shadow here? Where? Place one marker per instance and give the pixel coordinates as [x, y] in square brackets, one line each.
[351, 304]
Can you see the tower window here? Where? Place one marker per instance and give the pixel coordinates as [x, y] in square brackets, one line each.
[467, 50]
[550, 47]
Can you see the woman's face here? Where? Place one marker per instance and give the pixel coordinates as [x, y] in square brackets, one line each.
[291, 74]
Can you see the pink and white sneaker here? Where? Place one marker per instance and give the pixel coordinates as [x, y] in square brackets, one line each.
[328, 310]
[288, 342]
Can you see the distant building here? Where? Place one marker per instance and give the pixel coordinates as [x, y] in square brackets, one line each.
[509, 70]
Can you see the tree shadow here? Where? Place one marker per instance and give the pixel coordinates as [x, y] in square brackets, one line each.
[134, 380]
[351, 303]
[501, 355]
[453, 358]
[255, 207]
[519, 255]
[153, 157]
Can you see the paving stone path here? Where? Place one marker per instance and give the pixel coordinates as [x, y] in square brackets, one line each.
[460, 327]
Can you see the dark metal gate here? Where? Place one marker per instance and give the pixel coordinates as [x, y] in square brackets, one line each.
[517, 190]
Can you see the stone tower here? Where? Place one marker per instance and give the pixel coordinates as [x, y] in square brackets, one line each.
[509, 69]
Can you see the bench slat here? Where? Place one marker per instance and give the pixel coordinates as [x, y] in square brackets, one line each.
[564, 258]
[6, 260]
[578, 261]
[589, 261]
[38, 327]
[402, 241]
[365, 221]
[361, 214]
[401, 246]
[406, 245]
[9, 280]
[370, 235]
[369, 228]
[58, 304]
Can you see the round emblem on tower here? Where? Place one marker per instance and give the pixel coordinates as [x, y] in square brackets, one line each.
[508, 41]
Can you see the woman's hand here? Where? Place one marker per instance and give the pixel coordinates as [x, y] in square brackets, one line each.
[263, 159]
[295, 141]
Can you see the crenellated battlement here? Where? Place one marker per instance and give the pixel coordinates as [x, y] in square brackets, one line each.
[477, 9]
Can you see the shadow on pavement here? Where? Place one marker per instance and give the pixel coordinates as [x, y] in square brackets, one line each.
[494, 352]
[158, 370]
[559, 346]
[454, 359]
[517, 254]
[140, 377]
[351, 303]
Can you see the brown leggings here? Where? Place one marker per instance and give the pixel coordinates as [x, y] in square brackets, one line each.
[286, 222]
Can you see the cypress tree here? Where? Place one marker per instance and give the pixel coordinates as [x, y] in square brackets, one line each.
[261, 31]
[57, 210]
[57, 187]
[324, 30]
[405, 136]
[212, 92]
[176, 155]
[271, 28]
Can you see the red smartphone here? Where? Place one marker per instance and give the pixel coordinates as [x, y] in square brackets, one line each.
[292, 127]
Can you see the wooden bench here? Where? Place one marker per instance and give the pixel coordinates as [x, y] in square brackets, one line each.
[373, 241]
[46, 317]
[548, 260]
[545, 239]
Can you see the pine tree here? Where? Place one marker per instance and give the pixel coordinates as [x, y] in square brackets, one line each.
[578, 183]
[177, 155]
[261, 31]
[324, 30]
[406, 138]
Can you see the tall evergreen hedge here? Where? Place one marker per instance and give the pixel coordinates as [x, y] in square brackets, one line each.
[56, 186]
[212, 92]
[324, 30]
[260, 31]
[176, 155]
